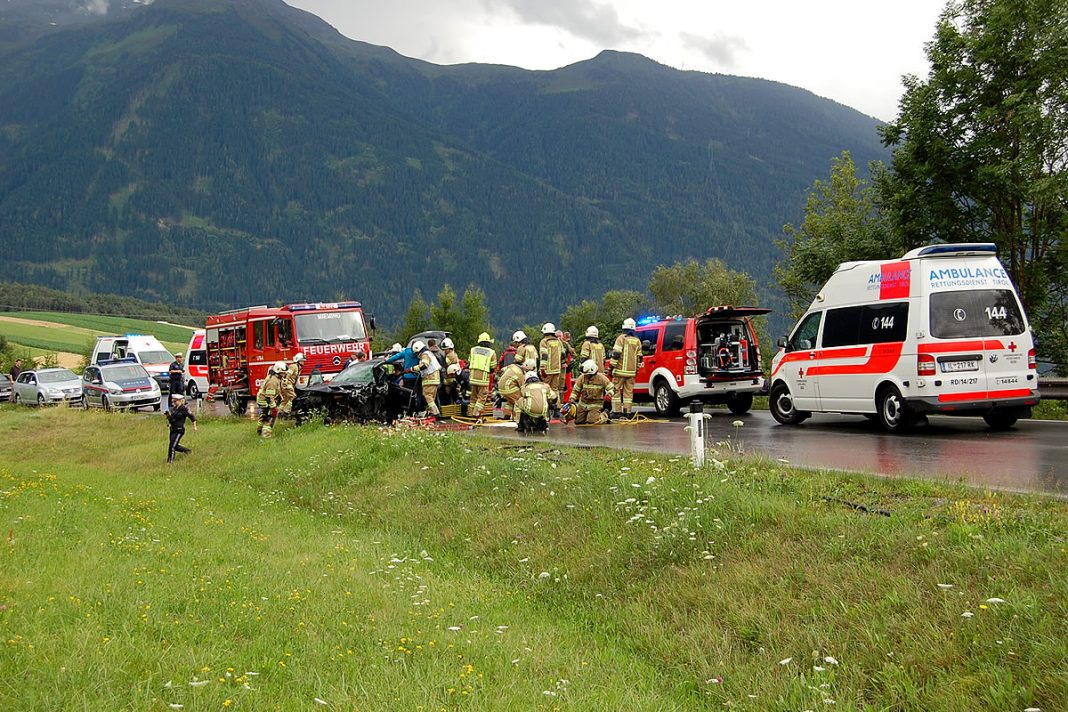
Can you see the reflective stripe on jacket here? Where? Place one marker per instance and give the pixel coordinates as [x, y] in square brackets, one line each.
[481, 363]
[552, 352]
[629, 348]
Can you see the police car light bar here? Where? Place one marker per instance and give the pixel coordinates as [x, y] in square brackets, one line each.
[956, 249]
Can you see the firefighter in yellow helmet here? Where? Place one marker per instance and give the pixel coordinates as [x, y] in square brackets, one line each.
[289, 384]
[524, 350]
[481, 363]
[535, 404]
[552, 353]
[268, 398]
[592, 349]
[429, 368]
[626, 360]
[510, 386]
[588, 394]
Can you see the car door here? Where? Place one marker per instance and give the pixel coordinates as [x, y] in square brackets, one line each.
[801, 355]
[92, 386]
[650, 338]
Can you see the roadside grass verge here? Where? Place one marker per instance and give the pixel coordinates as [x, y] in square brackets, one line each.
[409, 570]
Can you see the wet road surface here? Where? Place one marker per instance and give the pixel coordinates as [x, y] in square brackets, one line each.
[1031, 457]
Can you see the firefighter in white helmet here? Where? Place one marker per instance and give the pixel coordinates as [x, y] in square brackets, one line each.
[588, 395]
[450, 385]
[268, 398]
[535, 404]
[429, 369]
[592, 349]
[510, 386]
[626, 361]
[289, 383]
[524, 350]
[552, 353]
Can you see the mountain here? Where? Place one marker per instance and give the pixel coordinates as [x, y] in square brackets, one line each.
[215, 153]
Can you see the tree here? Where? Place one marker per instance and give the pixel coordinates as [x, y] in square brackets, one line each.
[688, 288]
[980, 147]
[842, 223]
[444, 315]
[474, 319]
[417, 318]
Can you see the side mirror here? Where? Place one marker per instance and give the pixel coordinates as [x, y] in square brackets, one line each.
[781, 343]
[371, 322]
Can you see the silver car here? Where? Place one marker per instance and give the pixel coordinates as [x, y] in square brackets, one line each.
[5, 387]
[124, 384]
[46, 386]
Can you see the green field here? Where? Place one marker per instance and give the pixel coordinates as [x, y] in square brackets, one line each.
[80, 329]
[380, 570]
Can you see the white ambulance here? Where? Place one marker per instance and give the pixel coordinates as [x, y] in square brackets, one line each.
[146, 349]
[196, 366]
[939, 331]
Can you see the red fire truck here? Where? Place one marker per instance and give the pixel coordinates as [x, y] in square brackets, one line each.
[243, 344]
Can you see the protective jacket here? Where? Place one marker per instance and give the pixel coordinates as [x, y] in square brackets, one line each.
[591, 389]
[269, 392]
[536, 400]
[481, 363]
[526, 352]
[627, 353]
[511, 379]
[592, 349]
[429, 368]
[292, 374]
[551, 351]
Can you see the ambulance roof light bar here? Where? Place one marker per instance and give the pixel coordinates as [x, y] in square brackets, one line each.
[953, 249]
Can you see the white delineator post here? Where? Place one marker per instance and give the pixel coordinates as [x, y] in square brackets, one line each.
[697, 417]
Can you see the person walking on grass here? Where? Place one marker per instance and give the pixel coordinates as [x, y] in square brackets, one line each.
[176, 417]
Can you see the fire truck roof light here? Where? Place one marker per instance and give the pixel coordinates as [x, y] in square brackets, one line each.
[646, 320]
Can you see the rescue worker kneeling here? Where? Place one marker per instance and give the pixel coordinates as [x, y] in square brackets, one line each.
[268, 398]
[429, 368]
[510, 386]
[535, 404]
[588, 394]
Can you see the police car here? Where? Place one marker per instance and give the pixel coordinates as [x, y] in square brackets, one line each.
[940, 330]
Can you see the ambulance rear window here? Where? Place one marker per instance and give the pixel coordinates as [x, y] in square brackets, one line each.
[977, 312]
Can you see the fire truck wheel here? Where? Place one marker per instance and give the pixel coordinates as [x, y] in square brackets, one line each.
[781, 404]
[741, 403]
[665, 400]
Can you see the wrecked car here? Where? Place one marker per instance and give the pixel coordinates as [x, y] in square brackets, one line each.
[365, 392]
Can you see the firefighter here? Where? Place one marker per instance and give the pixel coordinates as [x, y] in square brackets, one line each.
[268, 398]
[450, 386]
[536, 403]
[588, 394]
[289, 384]
[524, 350]
[569, 350]
[592, 349]
[551, 351]
[481, 362]
[429, 368]
[626, 360]
[510, 385]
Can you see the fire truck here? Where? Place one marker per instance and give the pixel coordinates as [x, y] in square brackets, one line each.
[243, 344]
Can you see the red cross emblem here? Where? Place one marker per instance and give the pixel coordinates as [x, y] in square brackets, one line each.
[800, 373]
[1012, 346]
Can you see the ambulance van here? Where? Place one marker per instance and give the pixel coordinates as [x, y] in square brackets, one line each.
[940, 330]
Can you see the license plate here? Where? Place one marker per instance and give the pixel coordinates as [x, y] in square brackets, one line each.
[958, 366]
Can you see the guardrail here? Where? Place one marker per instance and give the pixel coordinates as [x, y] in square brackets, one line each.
[1053, 388]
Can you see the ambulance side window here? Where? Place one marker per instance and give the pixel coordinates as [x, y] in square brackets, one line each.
[804, 336]
[841, 327]
[884, 323]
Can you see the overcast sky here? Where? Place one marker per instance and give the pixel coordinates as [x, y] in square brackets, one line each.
[852, 51]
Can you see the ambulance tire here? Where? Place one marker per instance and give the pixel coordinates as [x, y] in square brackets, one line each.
[894, 417]
[192, 391]
[740, 403]
[781, 404]
[1000, 419]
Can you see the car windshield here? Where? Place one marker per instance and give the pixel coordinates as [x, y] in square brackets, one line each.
[362, 372]
[978, 312]
[124, 373]
[154, 357]
[56, 376]
[330, 327]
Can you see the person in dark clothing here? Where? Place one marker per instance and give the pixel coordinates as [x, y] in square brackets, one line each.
[176, 416]
[16, 369]
[176, 371]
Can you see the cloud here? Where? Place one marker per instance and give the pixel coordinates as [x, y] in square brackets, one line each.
[582, 18]
[97, 7]
[720, 48]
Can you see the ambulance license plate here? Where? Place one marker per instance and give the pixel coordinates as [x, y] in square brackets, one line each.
[958, 366]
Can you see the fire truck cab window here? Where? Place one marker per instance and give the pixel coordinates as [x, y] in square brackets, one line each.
[270, 333]
[329, 327]
[257, 335]
[285, 333]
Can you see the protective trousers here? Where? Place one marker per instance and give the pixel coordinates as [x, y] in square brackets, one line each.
[509, 404]
[554, 381]
[268, 416]
[289, 393]
[175, 443]
[479, 397]
[589, 414]
[430, 395]
[623, 400]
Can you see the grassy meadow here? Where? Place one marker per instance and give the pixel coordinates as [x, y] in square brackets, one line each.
[351, 568]
[40, 333]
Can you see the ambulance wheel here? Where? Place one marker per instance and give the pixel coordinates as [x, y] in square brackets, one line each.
[894, 417]
[665, 400]
[781, 404]
[192, 391]
[1000, 419]
[740, 403]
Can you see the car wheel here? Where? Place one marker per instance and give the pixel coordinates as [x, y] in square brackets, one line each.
[84, 403]
[192, 391]
[893, 415]
[105, 403]
[18, 399]
[781, 404]
[156, 407]
[665, 400]
[40, 401]
[1001, 419]
[740, 403]
[235, 404]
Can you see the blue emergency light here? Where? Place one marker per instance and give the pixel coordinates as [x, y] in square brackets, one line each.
[959, 247]
[647, 320]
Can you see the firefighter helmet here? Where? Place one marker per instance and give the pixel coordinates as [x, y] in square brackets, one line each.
[453, 369]
[418, 347]
[531, 376]
[592, 332]
[530, 364]
[484, 337]
[298, 357]
[629, 325]
[396, 348]
[549, 328]
[518, 336]
[589, 367]
[446, 343]
[279, 367]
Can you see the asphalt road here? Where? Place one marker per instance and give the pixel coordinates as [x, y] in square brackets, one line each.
[1031, 457]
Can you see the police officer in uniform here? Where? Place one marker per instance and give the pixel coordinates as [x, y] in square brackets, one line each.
[626, 360]
[268, 398]
[289, 384]
[175, 380]
[588, 394]
[176, 417]
[592, 349]
[481, 362]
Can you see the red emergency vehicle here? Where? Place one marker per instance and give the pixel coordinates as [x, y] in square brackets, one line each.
[243, 344]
